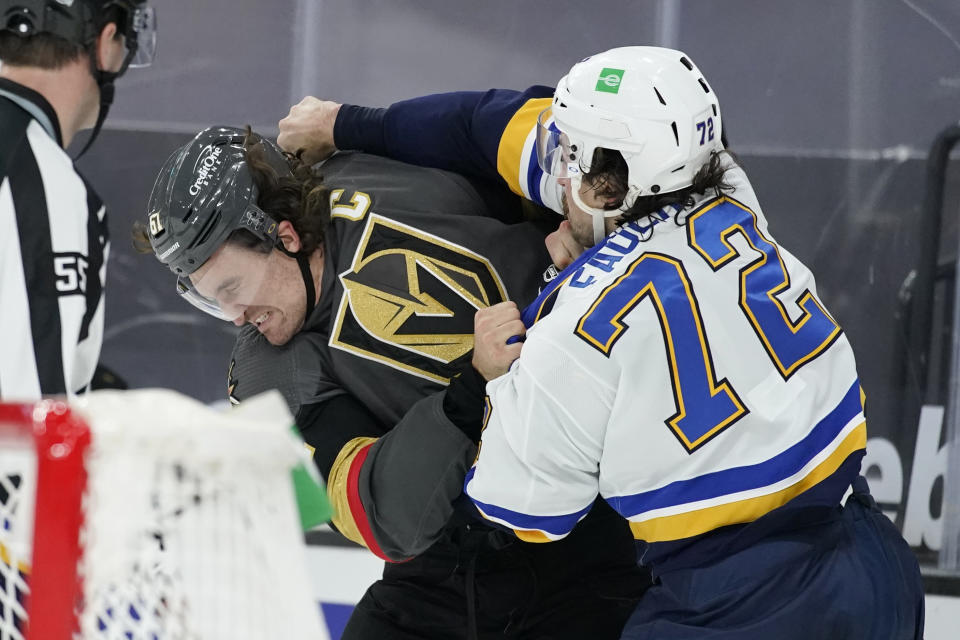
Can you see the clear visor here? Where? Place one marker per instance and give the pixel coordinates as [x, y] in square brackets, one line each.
[230, 285]
[145, 28]
[557, 154]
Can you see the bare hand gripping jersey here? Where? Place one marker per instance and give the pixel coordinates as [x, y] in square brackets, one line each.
[685, 372]
[410, 255]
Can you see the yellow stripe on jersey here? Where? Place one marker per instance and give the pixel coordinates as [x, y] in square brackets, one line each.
[510, 161]
[337, 489]
[694, 523]
[531, 536]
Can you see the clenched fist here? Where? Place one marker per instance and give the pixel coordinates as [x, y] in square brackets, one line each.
[492, 327]
[309, 128]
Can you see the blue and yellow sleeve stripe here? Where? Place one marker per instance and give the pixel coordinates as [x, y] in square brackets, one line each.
[485, 134]
[528, 528]
[517, 155]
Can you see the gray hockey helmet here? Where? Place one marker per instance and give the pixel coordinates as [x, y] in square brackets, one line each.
[205, 192]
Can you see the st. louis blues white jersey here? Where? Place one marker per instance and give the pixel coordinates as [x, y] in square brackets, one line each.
[685, 370]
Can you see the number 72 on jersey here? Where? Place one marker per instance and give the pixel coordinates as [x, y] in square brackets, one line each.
[707, 405]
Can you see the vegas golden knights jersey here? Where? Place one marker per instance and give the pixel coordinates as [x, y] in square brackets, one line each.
[410, 255]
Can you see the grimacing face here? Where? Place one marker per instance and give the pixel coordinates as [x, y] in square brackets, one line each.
[265, 290]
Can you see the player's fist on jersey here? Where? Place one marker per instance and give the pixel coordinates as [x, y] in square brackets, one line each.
[309, 127]
[492, 328]
[562, 246]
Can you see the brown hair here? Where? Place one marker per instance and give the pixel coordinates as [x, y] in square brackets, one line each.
[48, 51]
[299, 197]
[608, 177]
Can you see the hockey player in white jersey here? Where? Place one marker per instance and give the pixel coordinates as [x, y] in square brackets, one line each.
[682, 367]
[59, 63]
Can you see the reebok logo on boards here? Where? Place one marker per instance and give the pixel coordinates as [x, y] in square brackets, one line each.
[609, 80]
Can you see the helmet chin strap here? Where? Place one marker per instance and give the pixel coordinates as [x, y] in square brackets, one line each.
[599, 216]
[104, 80]
[599, 228]
[304, 263]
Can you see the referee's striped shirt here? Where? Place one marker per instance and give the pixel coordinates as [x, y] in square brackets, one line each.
[53, 255]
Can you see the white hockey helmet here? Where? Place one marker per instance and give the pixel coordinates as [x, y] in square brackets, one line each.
[649, 103]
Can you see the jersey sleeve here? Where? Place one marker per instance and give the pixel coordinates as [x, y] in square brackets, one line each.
[489, 135]
[393, 486]
[537, 471]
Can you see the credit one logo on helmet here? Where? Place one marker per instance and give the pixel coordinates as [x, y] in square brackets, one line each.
[208, 161]
[609, 80]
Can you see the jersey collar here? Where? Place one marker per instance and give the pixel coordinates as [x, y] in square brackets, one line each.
[34, 104]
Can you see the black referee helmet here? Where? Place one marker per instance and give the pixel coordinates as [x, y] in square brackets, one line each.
[77, 21]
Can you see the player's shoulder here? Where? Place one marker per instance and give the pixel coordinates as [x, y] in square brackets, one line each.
[296, 368]
[360, 182]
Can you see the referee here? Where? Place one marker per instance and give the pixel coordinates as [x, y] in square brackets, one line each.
[59, 61]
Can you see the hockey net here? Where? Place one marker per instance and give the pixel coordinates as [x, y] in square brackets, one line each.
[146, 515]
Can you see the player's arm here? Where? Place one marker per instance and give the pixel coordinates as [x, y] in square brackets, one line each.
[487, 135]
[537, 468]
[394, 488]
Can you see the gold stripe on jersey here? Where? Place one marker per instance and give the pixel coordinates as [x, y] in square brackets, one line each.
[337, 489]
[694, 523]
[510, 161]
[531, 535]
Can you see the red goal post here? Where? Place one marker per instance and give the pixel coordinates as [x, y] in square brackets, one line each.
[147, 515]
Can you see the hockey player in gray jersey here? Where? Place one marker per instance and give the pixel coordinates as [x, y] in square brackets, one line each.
[357, 292]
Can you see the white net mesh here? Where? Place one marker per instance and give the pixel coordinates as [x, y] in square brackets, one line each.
[191, 525]
[17, 484]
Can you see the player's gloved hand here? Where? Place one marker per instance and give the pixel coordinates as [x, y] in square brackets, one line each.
[562, 247]
[309, 127]
[492, 327]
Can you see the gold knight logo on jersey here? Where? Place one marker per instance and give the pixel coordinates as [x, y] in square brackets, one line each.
[409, 299]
